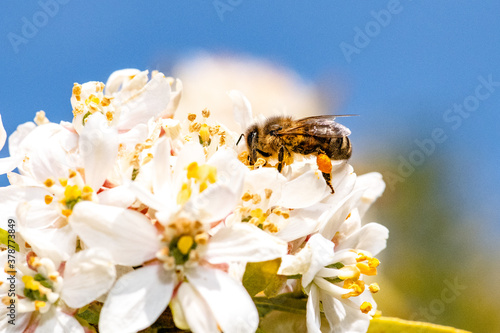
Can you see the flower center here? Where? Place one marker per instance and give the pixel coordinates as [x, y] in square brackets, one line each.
[201, 175]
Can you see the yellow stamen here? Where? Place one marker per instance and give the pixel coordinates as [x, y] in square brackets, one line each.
[374, 287]
[72, 192]
[357, 287]
[39, 304]
[191, 116]
[109, 116]
[366, 307]
[246, 197]
[48, 182]
[205, 113]
[184, 194]
[185, 243]
[373, 262]
[48, 199]
[201, 238]
[204, 134]
[30, 283]
[349, 272]
[365, 269]
[268, 192]
[66, 212]
[72, 173]
[63, 181]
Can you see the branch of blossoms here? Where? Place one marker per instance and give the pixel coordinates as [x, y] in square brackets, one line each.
[127, 215]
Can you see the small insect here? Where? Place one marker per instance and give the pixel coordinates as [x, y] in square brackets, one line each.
[281, 137]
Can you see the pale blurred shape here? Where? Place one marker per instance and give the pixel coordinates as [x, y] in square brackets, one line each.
[271, 89]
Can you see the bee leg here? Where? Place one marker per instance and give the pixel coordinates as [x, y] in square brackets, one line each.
[328, 179]
[281, 156]
[239, 139]
[325, 166]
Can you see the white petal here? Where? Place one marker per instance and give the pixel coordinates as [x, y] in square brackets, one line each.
[371, 237]
[98, 148]
[21, 320]
[301, 222]
[243, 242]
[18, 136]
[87, 275]
[136, 135]
[313, 314]
[221, 293]
[7, 164]
[56, 321]
[374, 186]
[128, 235]
[162, 173]
[11, 196]
[213, 204]
[322, 254]
[117, 78]
[146, 103]
[196, 311]
[120, 196]
[242, 110]
[3, 134]
[137, 300]
[58, 244]
[303, 191]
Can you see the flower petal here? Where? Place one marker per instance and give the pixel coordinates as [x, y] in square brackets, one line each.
[221, 293]
[3, 134]
[243, 242]
[87, 275]
[196, 311]
[242, 110]
[137, 300]
[371, 237]
[98, 148]
[128, 235]
[303, 191]
[313, 314]
[56, 321]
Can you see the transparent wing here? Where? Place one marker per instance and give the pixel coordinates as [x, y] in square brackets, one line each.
[321, 126]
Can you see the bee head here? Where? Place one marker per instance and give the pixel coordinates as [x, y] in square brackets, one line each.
[252, 137]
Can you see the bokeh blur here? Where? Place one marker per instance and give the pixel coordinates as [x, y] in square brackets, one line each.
[424, 76]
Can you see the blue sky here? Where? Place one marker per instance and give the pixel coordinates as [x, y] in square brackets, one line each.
[407, 72]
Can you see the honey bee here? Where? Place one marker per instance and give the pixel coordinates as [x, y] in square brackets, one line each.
[281, 137]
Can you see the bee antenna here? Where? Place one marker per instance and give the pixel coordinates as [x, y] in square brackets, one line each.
[241, 136]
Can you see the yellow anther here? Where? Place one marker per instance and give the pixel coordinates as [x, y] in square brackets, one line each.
[6, 300]
[260, 162]
[365, 269]
[34, 262]
[366, 307]
[271, 227]
[201, 238]
[349, 272]
[255, 221]
[48, 182]
[324, 163]
[72, 173]
[39, 304]
[268, 192]
[374, 287]
[63, 181]
[243, 157]
[361, 257]
[191, 116]
[99, 87]
[203, 186]
[109, 116]
[246, 197]
[53, 276]
[373, 262]
[205, 134]
[357, 287]
[192, 170]
[66, 212]
[72, 192]
[77, 90]
[87, 189]
[30, 283]
[105, 101]
[184, 194]
[48, 199]
[205, 113]
[185, 243]
[40, 118]
[256, 199]
[148, 158]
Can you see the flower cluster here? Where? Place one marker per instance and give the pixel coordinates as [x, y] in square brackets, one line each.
[128, 214]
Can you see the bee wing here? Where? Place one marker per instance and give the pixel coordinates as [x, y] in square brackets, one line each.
[321, 126]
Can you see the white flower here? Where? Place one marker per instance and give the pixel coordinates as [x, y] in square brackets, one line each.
[49, 299]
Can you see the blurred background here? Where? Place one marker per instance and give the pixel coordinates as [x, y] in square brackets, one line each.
[424, 76]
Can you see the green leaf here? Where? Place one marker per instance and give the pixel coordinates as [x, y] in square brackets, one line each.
[259, 275]
[289, 302]
[6, 239]
[395, 325]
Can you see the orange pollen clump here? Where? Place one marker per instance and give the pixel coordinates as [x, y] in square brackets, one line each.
[48, 182]
[48, 199]
[374, 287]
[366, 307]
[66, 212]
[109, 116]
[324, 163]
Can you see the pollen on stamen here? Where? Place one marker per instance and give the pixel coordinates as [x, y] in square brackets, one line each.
[48, 182]
[63, 181]
[366, 307]
[39, 304]
[66, 212]
[191, 117]
[40, 118]
[205, 113]
[374, 288]
[48, 199]
[72, 173]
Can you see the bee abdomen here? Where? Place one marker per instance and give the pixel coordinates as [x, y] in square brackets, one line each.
[340, 148]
